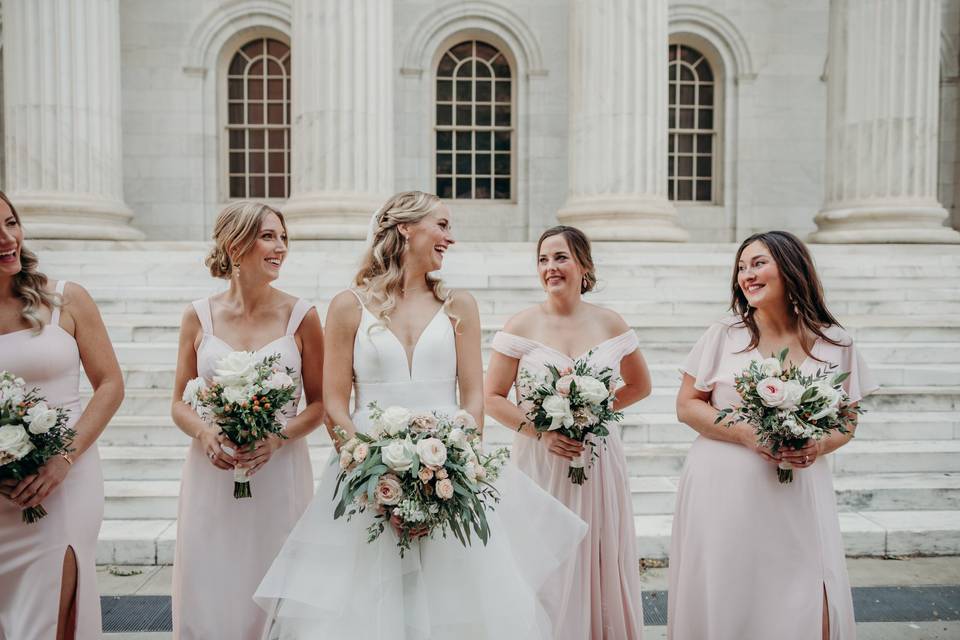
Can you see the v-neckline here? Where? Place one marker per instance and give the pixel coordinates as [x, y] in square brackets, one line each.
[258, 350]
[411, 356]
[800, 366]
[571, 358]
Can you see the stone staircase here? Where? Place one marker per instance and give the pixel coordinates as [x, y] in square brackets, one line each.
[898, 483]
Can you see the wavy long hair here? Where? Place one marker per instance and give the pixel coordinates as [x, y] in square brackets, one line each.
[802, 284]
[380, 278]
[30, 285]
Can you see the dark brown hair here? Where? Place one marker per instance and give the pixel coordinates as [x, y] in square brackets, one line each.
[802, 284]
[30, 286]
[579, 247]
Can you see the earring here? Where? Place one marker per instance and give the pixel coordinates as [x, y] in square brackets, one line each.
[796, 309]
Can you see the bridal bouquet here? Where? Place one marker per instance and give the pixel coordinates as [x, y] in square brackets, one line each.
[30, 434]
[425, 470]
[786, 408]
[245, 400]
[576, 402]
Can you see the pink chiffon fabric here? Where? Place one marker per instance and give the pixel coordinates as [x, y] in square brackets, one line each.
[31, 555]
[601, 595]
[751, 557]
[225, 545]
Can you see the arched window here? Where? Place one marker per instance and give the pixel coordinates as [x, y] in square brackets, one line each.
[474, 123]
[692, 145]
[258, 120]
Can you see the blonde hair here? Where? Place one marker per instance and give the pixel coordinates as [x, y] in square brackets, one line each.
[235, 232]
[29, 286]
[380, 277]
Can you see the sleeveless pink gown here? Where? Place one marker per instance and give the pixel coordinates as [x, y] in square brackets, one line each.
[31, 555]
[603, 580]
[750, 557]
[224, 545]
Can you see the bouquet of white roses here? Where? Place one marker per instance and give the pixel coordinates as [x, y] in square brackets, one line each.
[576, 402]
[30, 434]
[786, 408]
[425, 470]
[245, 400]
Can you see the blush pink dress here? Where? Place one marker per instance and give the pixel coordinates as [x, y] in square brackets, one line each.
[750, 557]
[31, 555]
[602, 594]
[225, 545]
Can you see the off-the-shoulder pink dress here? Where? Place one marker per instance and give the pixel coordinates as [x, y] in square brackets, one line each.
[602, 595]
[31, 555]
[225, 545]
[751, 557]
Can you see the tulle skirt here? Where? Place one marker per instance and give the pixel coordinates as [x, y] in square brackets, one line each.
[328, 582]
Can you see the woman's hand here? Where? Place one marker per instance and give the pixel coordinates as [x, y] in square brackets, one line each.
[212, 442]
[749, 440]
[254, 458]
[561, 445]
[33, 489]
[803, 457]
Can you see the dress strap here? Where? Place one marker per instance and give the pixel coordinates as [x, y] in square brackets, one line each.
[300, 310]
[55, 316]
[202, 307]
[511, 345]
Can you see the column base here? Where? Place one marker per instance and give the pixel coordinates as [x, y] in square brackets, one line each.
[884, 224]
[627, 219]
[74, 217]
[330, 216]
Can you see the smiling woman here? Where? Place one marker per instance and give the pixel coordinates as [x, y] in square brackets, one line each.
[250, 246]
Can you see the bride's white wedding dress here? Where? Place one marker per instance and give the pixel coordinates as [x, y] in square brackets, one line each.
[329, 583]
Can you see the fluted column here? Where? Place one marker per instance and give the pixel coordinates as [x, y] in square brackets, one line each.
[882, 104]
[342, 116]
[618, 128]
[61, 71]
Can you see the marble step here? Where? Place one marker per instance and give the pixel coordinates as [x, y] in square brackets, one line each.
[157, 499]
[872, 533]
[644, 459]
[152, 402]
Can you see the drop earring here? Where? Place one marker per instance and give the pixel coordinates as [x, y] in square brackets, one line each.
[796, 309]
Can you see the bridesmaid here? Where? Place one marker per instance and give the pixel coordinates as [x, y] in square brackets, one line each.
[48, 582]
[602, 598]
[225, 545]
[750, 557]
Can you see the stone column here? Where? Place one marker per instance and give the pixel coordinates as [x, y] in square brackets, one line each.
[61, 71]
[882, 102]
[618, 122]
[342, 116]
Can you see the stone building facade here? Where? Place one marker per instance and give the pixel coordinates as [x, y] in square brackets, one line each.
[637, 120]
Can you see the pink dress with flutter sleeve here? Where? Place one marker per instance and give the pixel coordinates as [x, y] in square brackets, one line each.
[601, 598]
[751, 557]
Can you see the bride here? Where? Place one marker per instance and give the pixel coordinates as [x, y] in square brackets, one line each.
[399, 337]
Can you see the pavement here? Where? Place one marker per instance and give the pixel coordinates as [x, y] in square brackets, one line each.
[895, 599]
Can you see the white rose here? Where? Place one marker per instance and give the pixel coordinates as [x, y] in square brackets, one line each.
[277, 380]
[832, 398]
[236, 369]
[191, 393]
[771, 391]
[11, 393]
[395, 419]
[40, 418]
[770, 367]
[791, 424]
[464, 420]
[792, 392]
[591, 389]
[361, 452]
[458, 438]
[14, 442]
[398, 455]
[432, 452]
[233, 395]
[557, 409]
